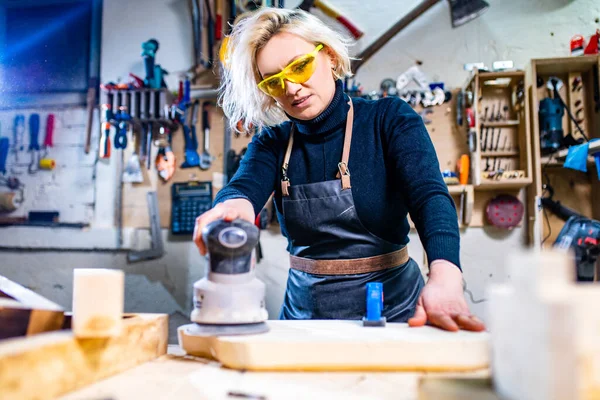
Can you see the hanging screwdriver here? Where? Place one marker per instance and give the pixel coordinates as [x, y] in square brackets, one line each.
[105, 134]
[18, 131]
[34, 146]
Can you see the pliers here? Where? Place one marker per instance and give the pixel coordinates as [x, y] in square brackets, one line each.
[328, 10]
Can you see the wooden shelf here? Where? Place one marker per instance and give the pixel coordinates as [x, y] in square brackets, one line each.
[594, 147]
[500, 124]
[500, 153]
[465, 206]
[457, 189]
[560, 163]
[489, 76]
[512, 184]
[564, 65]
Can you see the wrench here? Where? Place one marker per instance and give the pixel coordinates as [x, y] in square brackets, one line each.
[206, 159]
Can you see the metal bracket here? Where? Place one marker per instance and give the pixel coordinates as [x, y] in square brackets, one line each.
[157, 248]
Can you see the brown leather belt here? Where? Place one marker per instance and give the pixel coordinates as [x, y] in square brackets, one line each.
[352, 266]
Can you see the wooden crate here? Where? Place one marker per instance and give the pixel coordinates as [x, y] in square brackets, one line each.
[574, 189]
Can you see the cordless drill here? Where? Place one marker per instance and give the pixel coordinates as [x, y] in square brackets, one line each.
[580, 234]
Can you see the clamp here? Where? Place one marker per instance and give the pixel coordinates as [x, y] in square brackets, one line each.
[374, 305]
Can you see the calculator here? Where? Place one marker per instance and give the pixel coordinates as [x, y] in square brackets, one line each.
[188, 201]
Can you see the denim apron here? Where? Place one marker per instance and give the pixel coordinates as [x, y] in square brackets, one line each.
[333, 256]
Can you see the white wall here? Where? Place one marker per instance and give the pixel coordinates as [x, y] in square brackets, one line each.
[126, 24]
[510, 29]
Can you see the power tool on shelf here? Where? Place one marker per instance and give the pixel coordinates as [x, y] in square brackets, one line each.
[579, 234]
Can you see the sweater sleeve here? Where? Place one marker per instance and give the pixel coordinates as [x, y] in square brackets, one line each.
[256, 175]
[411, 153]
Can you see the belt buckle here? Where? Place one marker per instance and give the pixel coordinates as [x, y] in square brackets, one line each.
[343, 168]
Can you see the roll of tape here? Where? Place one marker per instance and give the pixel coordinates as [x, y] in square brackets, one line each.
[47, 163]
[7, 202]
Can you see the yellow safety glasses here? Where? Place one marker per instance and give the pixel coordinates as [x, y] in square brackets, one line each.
[299, 71]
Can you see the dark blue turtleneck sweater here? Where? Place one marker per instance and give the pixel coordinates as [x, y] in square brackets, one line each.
[393, 165]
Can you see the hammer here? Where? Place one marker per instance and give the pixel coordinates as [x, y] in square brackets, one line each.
[331, 12]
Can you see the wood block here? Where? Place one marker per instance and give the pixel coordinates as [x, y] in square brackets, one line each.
[24, 312]
[554, 353]
[48, 365]
[432, 388]
[334, 345]
[98, 297]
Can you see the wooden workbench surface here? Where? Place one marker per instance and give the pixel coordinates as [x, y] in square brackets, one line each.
[181, 377]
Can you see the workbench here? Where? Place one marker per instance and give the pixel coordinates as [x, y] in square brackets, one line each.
[179, 376]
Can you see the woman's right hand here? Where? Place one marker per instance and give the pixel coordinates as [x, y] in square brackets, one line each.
[228, 210]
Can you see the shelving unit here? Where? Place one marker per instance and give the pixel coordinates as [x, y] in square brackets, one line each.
[577, 190]
[499, 138]
[500, 130]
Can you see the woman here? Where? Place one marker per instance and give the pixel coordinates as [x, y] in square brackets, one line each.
[345, 175]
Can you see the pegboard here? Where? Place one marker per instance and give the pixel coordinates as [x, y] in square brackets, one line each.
[69, 188]
[135, 211]
[449, 139]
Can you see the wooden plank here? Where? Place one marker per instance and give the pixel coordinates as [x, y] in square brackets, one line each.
[48, 365]
[180, 376]
[333, 345]
[24, 312]
[504, 185]
[435, 388]
[500, 124]
[564, 65]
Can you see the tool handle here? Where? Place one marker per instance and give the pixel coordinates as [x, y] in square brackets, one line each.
[138, 104]
[354, 30]
[147, 104]
[187, 138]
[121, 135]
[333, 13]
[211, 32]
[19, 129]
[186, 91]
[157, 104]
[219, 20]
[180, 93]
[34, 132]
[49, 131]
[205, 116]
[193, 138]
[4, 146]
[105, 140]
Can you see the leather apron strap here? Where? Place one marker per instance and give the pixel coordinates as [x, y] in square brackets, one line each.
[343, 170]
[352, 266]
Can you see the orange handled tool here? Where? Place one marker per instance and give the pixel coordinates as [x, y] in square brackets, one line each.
[105, 140]
[463, 169]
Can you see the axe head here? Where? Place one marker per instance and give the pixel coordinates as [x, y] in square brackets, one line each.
[463, 11]
[306, 5]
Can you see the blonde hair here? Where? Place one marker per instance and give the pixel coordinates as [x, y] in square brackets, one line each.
[239, 95]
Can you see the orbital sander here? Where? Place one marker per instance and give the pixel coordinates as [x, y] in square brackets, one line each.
[229, 300]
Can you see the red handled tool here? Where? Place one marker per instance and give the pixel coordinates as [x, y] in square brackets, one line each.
[331, 12]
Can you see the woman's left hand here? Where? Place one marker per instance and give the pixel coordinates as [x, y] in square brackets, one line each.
[442, 301]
